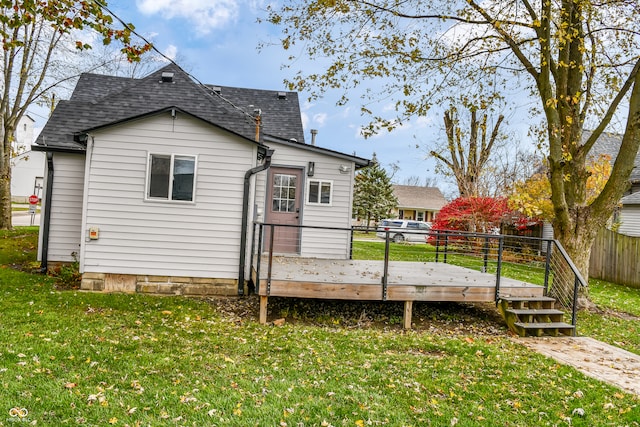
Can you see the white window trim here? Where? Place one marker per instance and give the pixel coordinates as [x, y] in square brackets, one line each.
[320, 182]
[148, 178]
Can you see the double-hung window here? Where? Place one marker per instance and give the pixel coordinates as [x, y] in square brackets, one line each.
[319, 192]
[171, 177]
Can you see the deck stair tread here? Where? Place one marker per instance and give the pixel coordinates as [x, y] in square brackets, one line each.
[525, 299]
[534, 311]
[545, 325]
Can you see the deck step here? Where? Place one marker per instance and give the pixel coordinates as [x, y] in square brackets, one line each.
[539, 329]
[535, 311]
[538, 303]
[535, 316]
[525, 299]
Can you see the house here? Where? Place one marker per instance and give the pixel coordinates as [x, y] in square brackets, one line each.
[26, 166]
[152, 184]
[27, 170]
[418, 203]
[628, 214]
[609, 144]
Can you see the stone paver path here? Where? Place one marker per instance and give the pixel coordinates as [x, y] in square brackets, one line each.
[592, 357]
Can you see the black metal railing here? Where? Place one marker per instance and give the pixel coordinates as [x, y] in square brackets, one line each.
[531, 260]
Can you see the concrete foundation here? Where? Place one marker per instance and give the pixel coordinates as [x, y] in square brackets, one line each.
[159, 285]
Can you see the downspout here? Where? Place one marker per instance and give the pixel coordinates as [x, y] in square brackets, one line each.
[245, 211]
[47, 214]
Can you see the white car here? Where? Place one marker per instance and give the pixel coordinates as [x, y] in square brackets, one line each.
[400, 230]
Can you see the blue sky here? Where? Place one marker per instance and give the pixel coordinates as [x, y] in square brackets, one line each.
[217, 42]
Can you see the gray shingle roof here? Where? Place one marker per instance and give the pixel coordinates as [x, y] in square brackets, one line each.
[99, 101]
[631, 199]
[410, 196]
[609, 143]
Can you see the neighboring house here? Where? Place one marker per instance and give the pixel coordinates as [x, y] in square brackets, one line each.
[609, 144]
[629, 215]
[152, 184]
[27, 167]
[23, 134]
[27, 172]
[418, 203]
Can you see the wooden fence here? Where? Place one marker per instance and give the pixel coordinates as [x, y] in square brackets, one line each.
[616, 258]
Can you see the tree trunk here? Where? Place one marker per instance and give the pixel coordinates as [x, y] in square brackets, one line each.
[5, 181]
[577, 241]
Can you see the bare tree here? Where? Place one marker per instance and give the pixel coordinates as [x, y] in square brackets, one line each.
[416, 181]
[466, 160]
[33, 33]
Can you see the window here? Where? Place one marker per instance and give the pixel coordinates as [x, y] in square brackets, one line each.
[284, 192]
[420, 216]
[171, 177]
[319, 192]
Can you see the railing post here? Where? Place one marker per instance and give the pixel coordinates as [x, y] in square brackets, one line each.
[351, 243]
[269, 269]
[437, 244]
[574, 312]
[446, 246]
[259, 260]
[385, 274]
[547, 267]
[499, 268]
[485, 251]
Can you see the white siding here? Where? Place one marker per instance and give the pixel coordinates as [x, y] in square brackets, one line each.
[199, 239]
[630, 220]
[314, 242]
[65, 230]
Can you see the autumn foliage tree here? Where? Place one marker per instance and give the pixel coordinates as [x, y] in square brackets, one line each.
[532, 197]
[32, 33]
[578, 59]
[472, 214]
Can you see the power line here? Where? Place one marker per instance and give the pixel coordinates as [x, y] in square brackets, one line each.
[207, 91]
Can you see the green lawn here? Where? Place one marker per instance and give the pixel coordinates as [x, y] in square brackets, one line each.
[75, 358]
[615, 320]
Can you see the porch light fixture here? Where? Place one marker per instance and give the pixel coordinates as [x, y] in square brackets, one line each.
[311, 168]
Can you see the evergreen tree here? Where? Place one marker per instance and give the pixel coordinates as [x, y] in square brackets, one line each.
[373, 197]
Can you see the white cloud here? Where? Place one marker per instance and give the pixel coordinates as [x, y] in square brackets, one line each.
[305, 119]
[423, 122]
[320, 118]
[205, 15]
[171, 52]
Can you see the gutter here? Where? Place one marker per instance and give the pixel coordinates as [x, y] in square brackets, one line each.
[47, 214]
[245, 221]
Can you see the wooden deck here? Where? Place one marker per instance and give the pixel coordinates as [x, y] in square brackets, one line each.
[362, 280]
